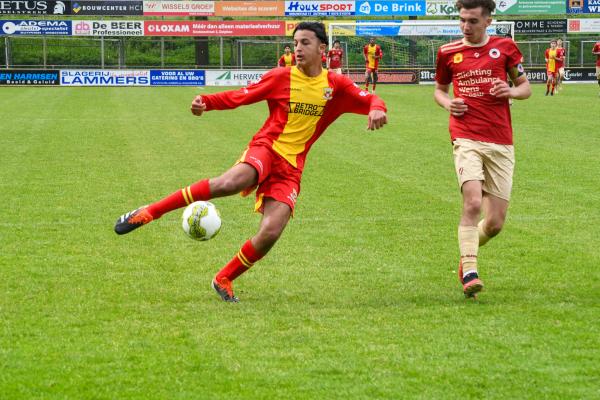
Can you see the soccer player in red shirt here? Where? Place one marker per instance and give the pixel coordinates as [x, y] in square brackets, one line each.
[372, 53]
[287, 59]
[551, 68]
[560, 64]
[596, 52]
[480, 127]
[334, 58]
[303, 101]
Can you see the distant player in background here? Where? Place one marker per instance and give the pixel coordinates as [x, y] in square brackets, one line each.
[303, 101]
[480, 127]
[335, 57]
[560, 64]
[596, 52]
[550, 56]
[372, 53]
[288, 58]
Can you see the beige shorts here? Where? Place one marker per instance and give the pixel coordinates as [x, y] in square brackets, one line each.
[488, 162]
[597, 72]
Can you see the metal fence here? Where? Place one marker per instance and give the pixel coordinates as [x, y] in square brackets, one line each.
[181, 52]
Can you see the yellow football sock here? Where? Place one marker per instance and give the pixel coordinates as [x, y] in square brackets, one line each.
[483, 237]
[468, 242]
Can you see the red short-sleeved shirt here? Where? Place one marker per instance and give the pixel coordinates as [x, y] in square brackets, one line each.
[335, 58]
[560, 53]
[471, 70]
[596, 49]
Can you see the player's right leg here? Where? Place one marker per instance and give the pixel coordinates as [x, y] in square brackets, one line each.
[367, 78]
[236, 179]
[468, 238]
[468, 162]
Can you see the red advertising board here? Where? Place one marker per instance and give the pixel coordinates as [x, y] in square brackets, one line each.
[214, 28]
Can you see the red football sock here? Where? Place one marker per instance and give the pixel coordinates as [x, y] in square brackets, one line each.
[240, 263]
[181, 198]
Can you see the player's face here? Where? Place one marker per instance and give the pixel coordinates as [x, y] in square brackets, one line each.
[372, 41]
[336, 46]
[553, 45]
[473, 24]
[307, 48]
[287, 50]
[559, 43]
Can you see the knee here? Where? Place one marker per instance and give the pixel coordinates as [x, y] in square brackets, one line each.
[225, 185]
[493, 226]
[472, 205]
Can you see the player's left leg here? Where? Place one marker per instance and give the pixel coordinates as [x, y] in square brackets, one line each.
[598, 75]
[497, 187]
[494, 216]
[367, 78]
[559, 80]
[549, 82]
[375, 77]
[276, 215]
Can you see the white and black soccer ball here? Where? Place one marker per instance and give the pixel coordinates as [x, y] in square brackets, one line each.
[201, 220]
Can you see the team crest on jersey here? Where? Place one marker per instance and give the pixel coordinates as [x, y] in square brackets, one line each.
[328, 93]
[494, 53]
[458, 58]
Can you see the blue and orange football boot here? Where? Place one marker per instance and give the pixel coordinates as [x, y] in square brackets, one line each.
[471, 283]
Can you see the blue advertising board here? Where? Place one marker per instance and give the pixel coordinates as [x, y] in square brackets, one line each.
[177, 77]
[583, 6]
[35, 27]
[416, 29]
[391, 7]
[377, 30]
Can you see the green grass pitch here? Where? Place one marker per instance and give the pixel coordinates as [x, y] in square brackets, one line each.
[358, 300]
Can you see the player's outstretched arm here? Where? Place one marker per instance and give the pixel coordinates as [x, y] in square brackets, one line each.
[261, 90]
[349, 98]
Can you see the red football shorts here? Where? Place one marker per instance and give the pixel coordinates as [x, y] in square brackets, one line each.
[551, 73]
[277, 178]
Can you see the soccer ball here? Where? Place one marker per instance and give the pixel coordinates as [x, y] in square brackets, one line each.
[201, 220]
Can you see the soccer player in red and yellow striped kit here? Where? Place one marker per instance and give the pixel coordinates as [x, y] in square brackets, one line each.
[303, 101]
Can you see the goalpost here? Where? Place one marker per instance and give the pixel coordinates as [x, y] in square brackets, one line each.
[406, 45]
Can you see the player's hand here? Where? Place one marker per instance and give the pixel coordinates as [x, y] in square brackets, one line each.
[457, 107]
[500, 89]
[198, 106]
[377, 119]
